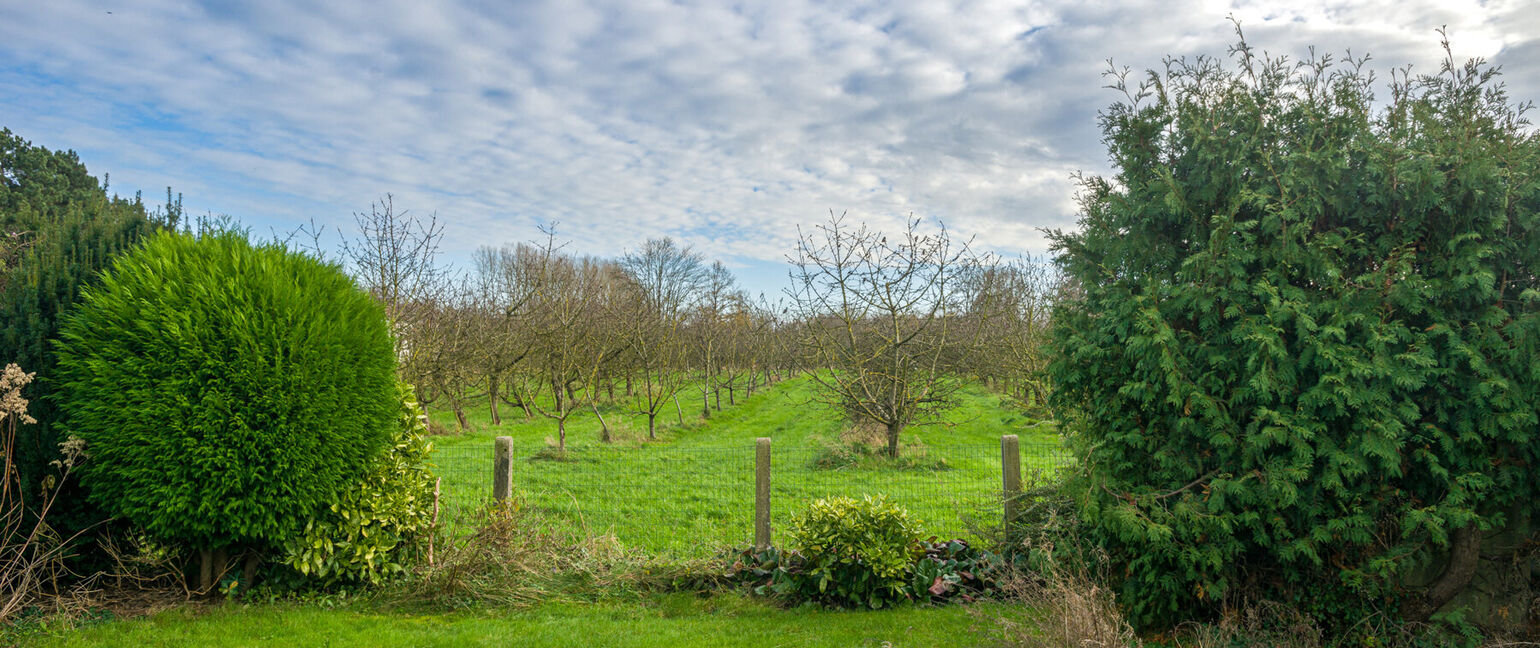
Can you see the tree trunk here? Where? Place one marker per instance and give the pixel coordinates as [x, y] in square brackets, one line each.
[249, 571]
[1464, 556]
[731, 399]
[629, 392]
[460, 415]
[716, 393]
[604, 426]
[705, 402]
[561, 436]
[652, 425]
[205, 570]
[493, 396]
[610, 387]
[893, 431]
[1038, 398]
[221, 562]
[678, 410]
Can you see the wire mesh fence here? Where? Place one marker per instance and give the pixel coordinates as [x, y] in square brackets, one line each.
[694, 501]
[952, 495]
[465, 474]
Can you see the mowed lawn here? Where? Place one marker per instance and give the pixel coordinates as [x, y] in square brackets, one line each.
[682, 620]
[691, 492]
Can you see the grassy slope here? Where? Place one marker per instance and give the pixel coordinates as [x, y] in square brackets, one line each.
[692, 490]
[674, 620]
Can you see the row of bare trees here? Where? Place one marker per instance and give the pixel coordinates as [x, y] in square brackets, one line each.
[551, 334]
[888, 327]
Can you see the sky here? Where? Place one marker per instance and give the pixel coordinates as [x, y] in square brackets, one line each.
[724, 125]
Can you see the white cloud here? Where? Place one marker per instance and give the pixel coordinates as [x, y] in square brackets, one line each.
[723, 126]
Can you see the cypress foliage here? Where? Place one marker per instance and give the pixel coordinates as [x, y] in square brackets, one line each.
[1302, 353]
[226, 391]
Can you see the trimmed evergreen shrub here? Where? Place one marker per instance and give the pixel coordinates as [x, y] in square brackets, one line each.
[1298, 351]
[227, 391]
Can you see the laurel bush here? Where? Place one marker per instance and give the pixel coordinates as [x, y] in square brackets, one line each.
[373, 530]
[858, 552]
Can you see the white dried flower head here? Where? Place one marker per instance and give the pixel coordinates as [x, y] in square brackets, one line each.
[73, 449]
[11, 402]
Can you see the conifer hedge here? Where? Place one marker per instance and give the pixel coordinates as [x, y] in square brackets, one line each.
[1300, 349]
[226, 390]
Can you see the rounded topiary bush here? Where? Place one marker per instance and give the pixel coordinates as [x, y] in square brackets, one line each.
[226, 391]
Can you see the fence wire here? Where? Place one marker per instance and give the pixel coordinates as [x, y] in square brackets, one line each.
[696, 501]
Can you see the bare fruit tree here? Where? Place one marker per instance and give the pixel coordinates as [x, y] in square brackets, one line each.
[879, 319]
[665, 281]
[447, 344]
[394, 258]
[568, 330]
[603, 342]
[1013, 305]
[508, 278]
[719, 294]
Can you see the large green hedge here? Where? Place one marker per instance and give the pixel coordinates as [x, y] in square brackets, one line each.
[1300, 348]
[226, 391]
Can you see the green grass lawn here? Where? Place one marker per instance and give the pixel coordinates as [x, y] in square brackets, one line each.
[692, 491]
[672, 620]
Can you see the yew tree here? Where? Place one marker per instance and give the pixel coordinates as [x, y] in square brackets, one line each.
[1303, 353]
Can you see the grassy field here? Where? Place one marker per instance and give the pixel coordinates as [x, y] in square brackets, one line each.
[692, 491]
[688, 494]
[673, 620]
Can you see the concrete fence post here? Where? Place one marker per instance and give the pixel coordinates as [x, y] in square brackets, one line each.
[761, 493]
[502, 468]
[1010, 473]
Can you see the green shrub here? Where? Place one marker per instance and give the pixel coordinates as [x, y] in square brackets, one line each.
[859, 553]
[372, 530]
[226, 391]
[1298, 357]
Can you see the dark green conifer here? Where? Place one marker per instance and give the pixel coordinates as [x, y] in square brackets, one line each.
[61, 228]
[1302, 353]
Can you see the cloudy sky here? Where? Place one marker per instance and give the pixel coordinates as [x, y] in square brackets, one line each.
[725, 125]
